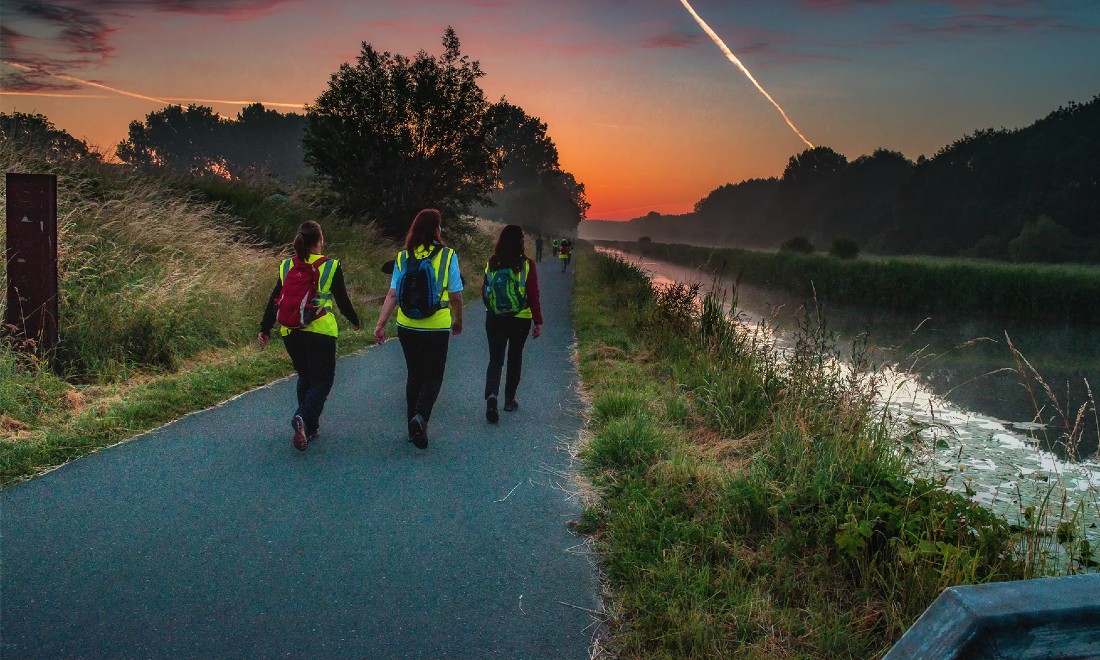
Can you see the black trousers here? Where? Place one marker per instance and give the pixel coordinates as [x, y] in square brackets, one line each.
[314, 358]
[505, 333]
[426, 358]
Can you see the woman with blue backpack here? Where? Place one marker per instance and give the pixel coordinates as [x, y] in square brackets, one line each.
[426, 291]
[302, 303]
[510, 291]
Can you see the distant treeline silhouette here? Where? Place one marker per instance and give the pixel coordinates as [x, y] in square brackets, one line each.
[1026, 195]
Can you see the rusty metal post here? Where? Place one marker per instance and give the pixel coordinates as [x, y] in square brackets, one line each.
[31, 258]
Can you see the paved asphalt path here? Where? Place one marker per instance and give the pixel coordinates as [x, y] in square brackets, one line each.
[214, 537]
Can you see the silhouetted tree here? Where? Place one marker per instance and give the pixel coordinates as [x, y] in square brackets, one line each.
[36, 134]
[844, 248]
[863, 200]
[533, 189]
[522, 144]
[263, 141]
[804, 195]
[175, 138]
[394, 135]
[799, 244]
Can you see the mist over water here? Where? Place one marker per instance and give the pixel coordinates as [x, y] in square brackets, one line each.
[955, 382]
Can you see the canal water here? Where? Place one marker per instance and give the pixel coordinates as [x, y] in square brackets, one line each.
[986, 430]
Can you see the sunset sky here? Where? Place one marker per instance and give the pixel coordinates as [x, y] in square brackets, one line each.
[645, 109]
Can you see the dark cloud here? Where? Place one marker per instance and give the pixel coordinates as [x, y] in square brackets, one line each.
[240, 8]
[64, 37]
[988, 24]
[80, 31]
[673, 40]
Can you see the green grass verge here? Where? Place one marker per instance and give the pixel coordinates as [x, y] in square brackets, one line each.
[748, 506]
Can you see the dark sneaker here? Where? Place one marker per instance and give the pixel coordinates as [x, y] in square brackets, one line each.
[300, 439]
[511, 406]
[418, 432]
[491, 413]
[314, 437]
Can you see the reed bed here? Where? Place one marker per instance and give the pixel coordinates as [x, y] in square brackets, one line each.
[920, 285]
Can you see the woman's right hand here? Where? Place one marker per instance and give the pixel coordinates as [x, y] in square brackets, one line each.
[536, 330]
[379, 333]
[262, 339]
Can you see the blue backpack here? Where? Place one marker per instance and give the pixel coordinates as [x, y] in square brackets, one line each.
[420, 287]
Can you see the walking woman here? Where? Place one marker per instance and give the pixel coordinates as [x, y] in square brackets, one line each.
[565, 253]
[510, 291]
[426, 291]
[302, 302]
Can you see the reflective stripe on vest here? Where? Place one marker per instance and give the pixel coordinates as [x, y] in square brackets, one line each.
[441, 320]
[325, 325]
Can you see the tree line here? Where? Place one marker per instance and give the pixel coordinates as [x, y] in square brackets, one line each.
[389, 136]
[1025, 195]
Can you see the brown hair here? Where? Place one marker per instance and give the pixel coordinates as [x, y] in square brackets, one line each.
[423, 229]
[509, 249]
[308, 235]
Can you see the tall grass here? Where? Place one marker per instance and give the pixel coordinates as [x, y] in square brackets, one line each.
[753, 504]
[921, 285]
[161, 294]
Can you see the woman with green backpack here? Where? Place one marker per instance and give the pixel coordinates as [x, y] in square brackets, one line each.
[426, 291]
[510, 292]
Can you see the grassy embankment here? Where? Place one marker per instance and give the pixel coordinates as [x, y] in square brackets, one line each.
[920, 285]
[751, 506]
[162, 290]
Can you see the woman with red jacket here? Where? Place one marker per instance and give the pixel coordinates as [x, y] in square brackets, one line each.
[510, 292]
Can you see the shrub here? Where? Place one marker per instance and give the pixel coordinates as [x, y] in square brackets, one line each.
[1043, 241]
[844, 248]
[799, 244]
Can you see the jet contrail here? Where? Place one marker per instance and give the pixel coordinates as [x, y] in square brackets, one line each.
[62, 76]
[51, 95]
[170, 101]
[733, 58]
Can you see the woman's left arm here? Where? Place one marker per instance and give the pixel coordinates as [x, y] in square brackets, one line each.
[340, 295]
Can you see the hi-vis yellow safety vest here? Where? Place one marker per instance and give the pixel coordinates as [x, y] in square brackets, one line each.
[326, 324]
[524, 313]
[441, 320]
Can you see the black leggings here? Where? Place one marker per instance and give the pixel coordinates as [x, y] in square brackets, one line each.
[426, 358]
[511, 333]
[314, 358]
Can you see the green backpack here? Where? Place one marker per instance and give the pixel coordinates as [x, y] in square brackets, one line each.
[506, 290]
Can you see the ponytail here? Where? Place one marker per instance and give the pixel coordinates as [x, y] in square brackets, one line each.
[308, 236]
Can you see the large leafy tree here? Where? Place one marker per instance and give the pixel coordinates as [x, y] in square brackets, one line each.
[394, 135]
[533, 190]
